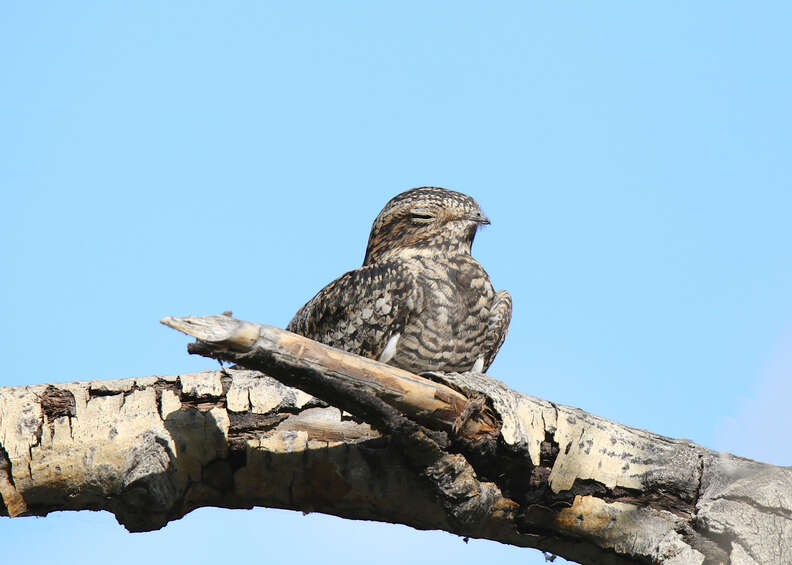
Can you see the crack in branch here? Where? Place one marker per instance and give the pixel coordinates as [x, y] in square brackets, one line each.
[773, 510]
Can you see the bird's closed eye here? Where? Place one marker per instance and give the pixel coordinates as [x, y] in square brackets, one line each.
[421, 217]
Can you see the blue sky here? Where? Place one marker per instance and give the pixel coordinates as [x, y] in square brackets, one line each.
[188, 158]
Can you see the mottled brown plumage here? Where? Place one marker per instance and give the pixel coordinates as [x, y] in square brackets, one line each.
[420, 301]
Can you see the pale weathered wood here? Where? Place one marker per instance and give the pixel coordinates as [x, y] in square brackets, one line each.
[573, 474]
[418, 398]
[462, 453]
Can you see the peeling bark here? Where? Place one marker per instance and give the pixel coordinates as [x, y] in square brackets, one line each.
[359, 439]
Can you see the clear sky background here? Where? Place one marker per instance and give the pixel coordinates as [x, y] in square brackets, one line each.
[179, 158]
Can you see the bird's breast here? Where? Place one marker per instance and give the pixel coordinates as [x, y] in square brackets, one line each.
[448, 328]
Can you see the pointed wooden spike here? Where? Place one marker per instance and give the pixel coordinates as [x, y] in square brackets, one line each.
[216, 329]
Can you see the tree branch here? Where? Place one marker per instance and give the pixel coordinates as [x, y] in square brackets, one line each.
[460, 452]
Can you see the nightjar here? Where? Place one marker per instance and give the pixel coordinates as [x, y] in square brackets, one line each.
[420, 301]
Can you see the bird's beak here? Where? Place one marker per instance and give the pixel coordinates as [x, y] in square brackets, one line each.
[480, 219]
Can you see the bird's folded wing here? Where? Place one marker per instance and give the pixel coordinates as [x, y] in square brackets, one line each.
[500, 317]
[360, 310]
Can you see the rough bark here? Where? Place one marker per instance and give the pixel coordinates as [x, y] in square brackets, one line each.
[359, 439]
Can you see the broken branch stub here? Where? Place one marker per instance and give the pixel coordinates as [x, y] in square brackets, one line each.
[337, 376]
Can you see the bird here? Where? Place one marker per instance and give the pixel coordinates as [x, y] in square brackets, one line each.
[420, 301]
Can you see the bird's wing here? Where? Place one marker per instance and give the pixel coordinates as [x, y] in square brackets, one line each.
[360, 310]
[500, 316]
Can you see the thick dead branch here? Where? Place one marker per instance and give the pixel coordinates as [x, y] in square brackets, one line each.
[349, 381]
[462, 453]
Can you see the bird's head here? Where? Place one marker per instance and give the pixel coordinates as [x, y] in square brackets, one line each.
[425, 217]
